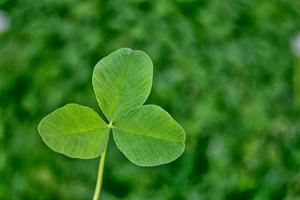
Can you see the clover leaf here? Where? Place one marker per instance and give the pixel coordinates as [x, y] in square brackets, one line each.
[76, 131]
[122, 81]
[146, 134]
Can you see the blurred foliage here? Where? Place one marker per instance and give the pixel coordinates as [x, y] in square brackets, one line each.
[223, 69]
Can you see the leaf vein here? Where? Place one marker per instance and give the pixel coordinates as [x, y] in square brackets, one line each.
[150, 136]
[123, 85]
[81, 132]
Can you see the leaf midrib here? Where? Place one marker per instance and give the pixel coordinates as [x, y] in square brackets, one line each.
[123, 85]
[150, 136]
[82, 132]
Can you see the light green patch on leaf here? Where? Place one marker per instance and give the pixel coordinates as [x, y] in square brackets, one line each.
[149, 136]
[122, 81]
[75, 131]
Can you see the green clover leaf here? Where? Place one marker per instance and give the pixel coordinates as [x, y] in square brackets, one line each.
[149, 136]
[122, 81]
[146, 134]
[76, 131]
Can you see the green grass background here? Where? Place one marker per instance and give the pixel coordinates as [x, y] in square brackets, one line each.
[223, 69]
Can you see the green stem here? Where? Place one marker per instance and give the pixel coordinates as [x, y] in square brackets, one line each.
[100, 177]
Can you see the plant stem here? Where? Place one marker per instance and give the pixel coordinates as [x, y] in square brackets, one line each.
[100, 176]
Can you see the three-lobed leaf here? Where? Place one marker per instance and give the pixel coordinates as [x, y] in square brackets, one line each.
[147, 135]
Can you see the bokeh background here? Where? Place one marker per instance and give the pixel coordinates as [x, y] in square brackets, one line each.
[228, 71]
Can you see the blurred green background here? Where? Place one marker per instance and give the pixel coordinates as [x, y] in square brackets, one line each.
[223, 69]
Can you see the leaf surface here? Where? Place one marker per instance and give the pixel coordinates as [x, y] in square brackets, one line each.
[75, 131]
[149, 136]
[122, 81]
